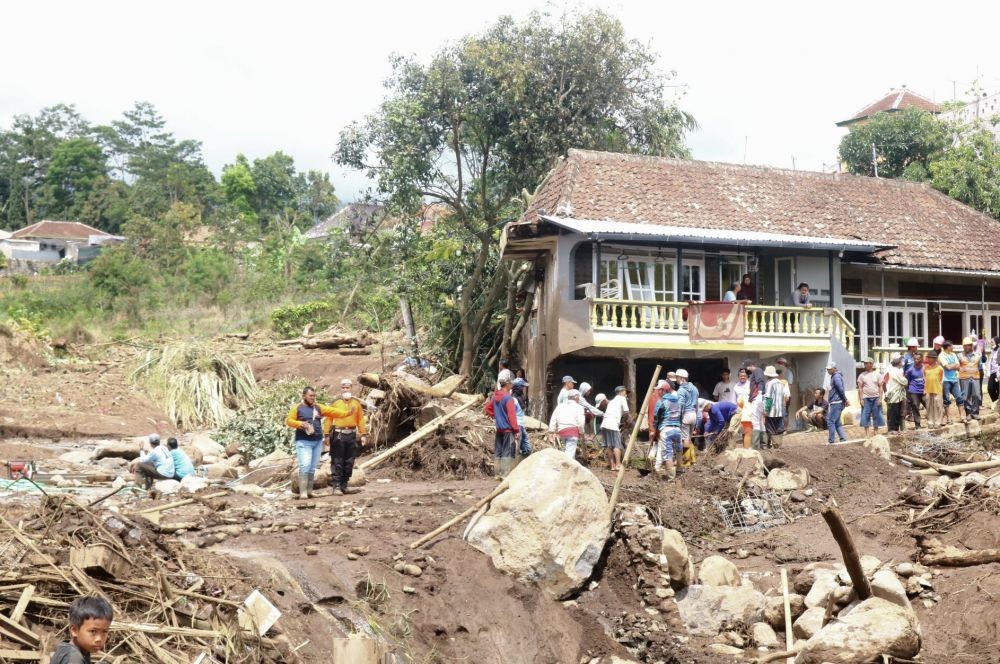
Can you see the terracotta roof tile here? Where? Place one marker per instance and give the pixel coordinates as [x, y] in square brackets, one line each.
[61, 230]
[699, 194]
[896, 100]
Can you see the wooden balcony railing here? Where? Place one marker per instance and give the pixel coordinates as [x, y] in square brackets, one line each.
[643, 316]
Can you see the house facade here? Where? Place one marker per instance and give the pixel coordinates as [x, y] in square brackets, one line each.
[620, 244]
[53, 241]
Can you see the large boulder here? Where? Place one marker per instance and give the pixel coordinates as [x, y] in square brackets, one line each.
[166, 487]
[220, 471]
[549, 527]
[207, 445]
[787, 479]
[879, 446]
[717, 571]
[275, 458]
[194, 454]
[679, 563]
[707, 610]
[123, 449]
[740, 461]
[875, 627]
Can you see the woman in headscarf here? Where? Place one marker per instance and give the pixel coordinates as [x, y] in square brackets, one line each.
[993, 369]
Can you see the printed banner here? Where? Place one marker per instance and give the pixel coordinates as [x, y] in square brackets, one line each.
[716, 321]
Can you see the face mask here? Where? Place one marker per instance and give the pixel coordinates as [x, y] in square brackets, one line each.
[346, 395]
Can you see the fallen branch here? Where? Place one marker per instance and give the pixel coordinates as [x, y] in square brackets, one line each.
[937, 553]
[415, 437]
[461, 517]
[847, 549]
[958, 468]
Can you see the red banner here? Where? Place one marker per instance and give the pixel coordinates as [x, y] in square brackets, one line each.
[716, 321]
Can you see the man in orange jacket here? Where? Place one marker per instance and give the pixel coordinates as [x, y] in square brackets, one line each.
[344, 438]
[307, 420]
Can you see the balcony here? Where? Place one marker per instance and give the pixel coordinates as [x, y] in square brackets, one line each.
[642, 324]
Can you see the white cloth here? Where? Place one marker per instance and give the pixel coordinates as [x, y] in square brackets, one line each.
[724, 391]
[563, 396]
[567, 414]
[613, 413]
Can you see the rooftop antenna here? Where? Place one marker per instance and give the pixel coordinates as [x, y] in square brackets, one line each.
[746, 140]
[793, 163]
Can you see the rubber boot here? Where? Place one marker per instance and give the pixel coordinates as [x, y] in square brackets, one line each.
[777, 440]
[672, 473]
[303, 485]
[310, 479]
[505, 466]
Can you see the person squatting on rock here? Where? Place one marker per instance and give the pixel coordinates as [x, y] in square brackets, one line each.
[667, 423]
[156, 464]
[611, 436]
[568, 421]
[503, 409]
[344, 439]
[182, 462]
[89, 623]
[307, 420]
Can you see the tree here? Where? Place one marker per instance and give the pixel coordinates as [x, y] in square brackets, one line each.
[277, 188]
[74, 169]
[318, 199]
[970, 172]
[485, 119]
[905, 143]
[239, 188]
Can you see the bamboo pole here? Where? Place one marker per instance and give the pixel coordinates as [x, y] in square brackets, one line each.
[416, 436]
[847, 549]
[632, 439]
[461, 517]
[955, 469]
[181, 503]
[789, 638]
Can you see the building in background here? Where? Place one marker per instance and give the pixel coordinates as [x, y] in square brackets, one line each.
[47, 242]
[895, 100]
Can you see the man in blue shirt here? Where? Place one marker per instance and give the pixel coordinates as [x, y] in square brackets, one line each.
[719, 414]
[182, 462]
[667, 422]
[156, 464]
[838, 401]
[688, 395]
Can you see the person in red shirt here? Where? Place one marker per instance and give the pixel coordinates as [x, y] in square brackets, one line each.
[502, 408]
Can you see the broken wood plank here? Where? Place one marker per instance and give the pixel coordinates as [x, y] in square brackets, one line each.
[415, 437]
[20, 655]
[27, 541]
[22, 604]
[19, 632]
[461, 517]
[937, 553]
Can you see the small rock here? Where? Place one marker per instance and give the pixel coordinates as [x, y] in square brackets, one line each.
[361, 550]
[664, 593]
[409, 590]
[797, 496]
[905, 569]
[717, 571]
[764, 635]
[412, 570]
[809, 623]
[311, 550]
[787, 479]
[290, 528]
[809, 492]
[723, 649]
[742, 554]
[734, 639]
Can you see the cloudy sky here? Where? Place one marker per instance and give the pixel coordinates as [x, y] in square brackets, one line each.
[765, 80]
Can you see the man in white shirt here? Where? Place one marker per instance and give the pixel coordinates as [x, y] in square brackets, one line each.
[568, 385]
[567, 422]
[724, 388]
[611, 427]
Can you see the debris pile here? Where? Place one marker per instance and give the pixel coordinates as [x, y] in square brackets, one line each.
[170, 605]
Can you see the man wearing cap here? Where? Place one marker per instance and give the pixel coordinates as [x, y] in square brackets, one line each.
[870, 391]
[688, 395]
[591, 412]
[912, 350]
[724, 388]
[567, 422]
[568, 384]
[838, 401]
[948, 359]
[344, 434]
[156, 464]
[611, 437]
[307, 418]
[969, 374]
[503, 409]
[667, 421]
[895, 393]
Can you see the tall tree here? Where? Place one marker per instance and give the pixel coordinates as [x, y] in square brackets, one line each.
[486, 118]
[970, 172]
[75, 168]
[904, 143]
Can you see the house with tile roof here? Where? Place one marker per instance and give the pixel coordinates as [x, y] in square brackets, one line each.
[621, 245]
[895, 100]
[52, 241]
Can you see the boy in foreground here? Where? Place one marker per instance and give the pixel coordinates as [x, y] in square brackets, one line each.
[89, 623]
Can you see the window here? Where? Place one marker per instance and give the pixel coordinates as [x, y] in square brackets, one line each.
[854, 317]
[894, 327]
[692, 282]
[730, 273]
[994, 325]
[975, 323]
[917, 328]
[873, 329]
[663, 281]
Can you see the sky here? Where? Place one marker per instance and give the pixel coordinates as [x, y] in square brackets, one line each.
[766, 81]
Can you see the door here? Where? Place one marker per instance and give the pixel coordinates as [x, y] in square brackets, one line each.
[784, 280]
[951, 326]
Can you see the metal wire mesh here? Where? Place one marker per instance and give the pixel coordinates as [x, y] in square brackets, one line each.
[753, 510]
[11, 553]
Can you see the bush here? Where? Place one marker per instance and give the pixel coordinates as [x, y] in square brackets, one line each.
[119, 273]
[260, 429]
[289, 321]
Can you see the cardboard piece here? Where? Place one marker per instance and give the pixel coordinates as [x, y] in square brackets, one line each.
[257, 613]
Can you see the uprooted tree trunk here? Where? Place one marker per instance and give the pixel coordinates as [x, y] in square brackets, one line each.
[400, 398]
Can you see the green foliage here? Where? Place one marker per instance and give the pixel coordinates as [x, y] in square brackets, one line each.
[290, 320]
[76, 165]
[970, 173]
[208, 270]
[485, 119]
[118, 272]
[905, 143]
[260, 428]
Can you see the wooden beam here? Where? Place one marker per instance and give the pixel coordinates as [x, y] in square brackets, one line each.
[849, 552]
[20, 655]
[22, 604]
